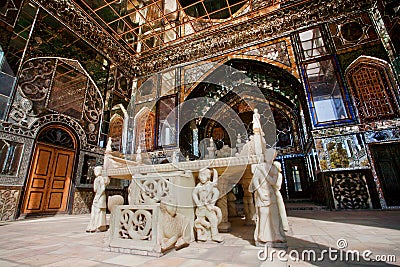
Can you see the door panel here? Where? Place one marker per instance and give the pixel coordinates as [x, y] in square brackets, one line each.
[49, 182]
[297, 178]
[60, 180]
[387, 161]
[39, 180]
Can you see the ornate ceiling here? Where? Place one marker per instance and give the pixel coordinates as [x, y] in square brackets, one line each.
[147, 25]
[144, 36]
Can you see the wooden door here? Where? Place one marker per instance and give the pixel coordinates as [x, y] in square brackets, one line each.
[387, 163]
[297, 178]
[49, 181]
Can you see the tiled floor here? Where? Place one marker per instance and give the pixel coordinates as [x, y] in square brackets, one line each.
[62, 241]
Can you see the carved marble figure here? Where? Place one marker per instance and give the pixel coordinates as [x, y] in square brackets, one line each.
[174, 227]
[269, 227]
[256, 121]
[98, 213]
[208, 215]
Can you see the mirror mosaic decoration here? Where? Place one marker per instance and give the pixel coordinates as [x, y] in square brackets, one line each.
[342, 152]
[57, 86]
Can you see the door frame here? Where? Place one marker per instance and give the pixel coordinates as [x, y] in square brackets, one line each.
[373, 147]
[75, 161]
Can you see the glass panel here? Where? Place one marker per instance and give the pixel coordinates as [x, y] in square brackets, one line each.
[312, 43]
[168, 82]
[89, 162]
[57, 137]
[10, 156]
[325, 91]
[296, 179]
[68, 82]
[3, 104]
[166, 121]
[6, 84]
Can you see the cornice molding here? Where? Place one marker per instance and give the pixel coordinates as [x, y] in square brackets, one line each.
[71, 15]
[277, 23]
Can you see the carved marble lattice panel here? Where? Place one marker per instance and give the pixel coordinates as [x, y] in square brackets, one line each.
[350, 191]
[134, 229]
[8, 204]
[136, 224]
[148, 190]
[277, 52]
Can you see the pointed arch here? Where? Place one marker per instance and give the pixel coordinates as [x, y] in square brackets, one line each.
[373, 88]
[116, 131]
[144, 129]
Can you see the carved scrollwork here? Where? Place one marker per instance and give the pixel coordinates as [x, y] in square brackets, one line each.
[21, 111]
[350, 191]
[148, 190]
[93, 109]
[8, 204]
[35, 79]
[136, 224]
[154, 189]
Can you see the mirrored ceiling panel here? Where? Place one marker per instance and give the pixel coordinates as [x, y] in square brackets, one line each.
[144, 25]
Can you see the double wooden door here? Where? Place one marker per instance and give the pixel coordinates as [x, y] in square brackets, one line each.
[50, 180]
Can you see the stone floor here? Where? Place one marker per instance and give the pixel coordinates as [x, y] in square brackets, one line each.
[62, 241]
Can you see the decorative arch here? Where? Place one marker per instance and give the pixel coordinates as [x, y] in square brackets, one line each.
[60, 119]
[58, 135]
[144, 122]
[290, 69]
[57, 86]
[279, 89]
[373, 88]
[116, 130]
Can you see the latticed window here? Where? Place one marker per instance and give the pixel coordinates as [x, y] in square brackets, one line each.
[372, 91]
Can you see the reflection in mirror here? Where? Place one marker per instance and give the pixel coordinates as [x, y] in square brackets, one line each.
[10, 156]
[166, 121]
[346, 151]
[325, 90]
